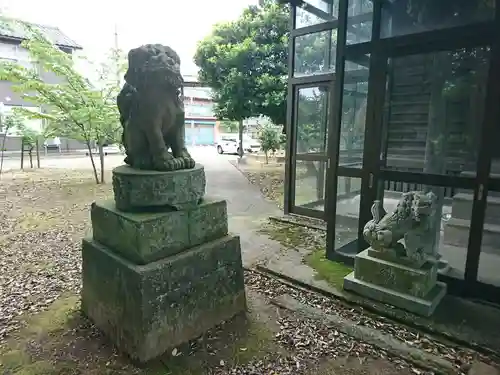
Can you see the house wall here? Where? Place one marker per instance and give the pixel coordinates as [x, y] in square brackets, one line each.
[201, 124]
[12, 50]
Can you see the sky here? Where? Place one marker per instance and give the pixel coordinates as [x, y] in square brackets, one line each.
[91, 23]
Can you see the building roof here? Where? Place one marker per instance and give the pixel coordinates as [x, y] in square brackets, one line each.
[16, 31]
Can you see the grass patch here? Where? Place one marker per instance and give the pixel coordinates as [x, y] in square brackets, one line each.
[331, 272]
[61, 341]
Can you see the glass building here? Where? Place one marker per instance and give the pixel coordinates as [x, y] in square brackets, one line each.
[390, 96]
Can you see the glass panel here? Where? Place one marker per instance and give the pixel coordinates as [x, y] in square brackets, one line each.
[352, 132]
[433, 111]
[312, 119]
[359, 21]
[400, 17]
[347, 214]
[318, 12]
[451, 224]
[327, 6]
[310, 183]
[489, 261]
[315, 53]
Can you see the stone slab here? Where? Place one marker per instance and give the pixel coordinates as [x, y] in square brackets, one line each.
[147, 237]
[481, 368]
[416, 282]
[146, 310]
[391, 256]
[420, 306]
[140, 190]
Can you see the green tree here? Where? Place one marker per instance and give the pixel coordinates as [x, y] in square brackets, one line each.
[75, 107]
[7, 123]
[29, 141]
[269, 139]
[244, 62]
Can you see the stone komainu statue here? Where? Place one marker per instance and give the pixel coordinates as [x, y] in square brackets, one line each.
[412, 221]
[152, 111]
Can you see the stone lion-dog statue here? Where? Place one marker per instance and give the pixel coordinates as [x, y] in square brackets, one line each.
[152, 110]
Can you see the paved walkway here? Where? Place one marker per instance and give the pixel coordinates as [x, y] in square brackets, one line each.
[247, 208]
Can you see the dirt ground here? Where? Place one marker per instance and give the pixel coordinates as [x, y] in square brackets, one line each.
[44, 215]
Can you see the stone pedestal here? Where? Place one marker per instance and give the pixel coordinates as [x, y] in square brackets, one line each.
[156, 276]
[387, 278]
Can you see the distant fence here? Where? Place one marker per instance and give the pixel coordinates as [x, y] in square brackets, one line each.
[13, 143]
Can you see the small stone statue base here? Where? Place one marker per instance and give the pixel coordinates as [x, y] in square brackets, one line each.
[161, 275]
[395, 280]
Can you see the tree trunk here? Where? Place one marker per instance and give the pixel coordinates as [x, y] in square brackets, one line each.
[240, 130]
[267, 158]
[2, 153]
[37, 145]
[89, 147]
[30, 153]
[22, 154]
[101, 158]
[436, 144]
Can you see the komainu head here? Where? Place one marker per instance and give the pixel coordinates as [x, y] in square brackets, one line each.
[153, 65]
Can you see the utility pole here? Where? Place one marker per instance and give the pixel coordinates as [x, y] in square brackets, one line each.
[117, 67]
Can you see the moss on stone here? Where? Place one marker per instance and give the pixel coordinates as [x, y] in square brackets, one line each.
[294, 236]
[54, 319]
[331, 272]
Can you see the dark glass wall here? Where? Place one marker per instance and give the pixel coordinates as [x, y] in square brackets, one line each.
[394, 96]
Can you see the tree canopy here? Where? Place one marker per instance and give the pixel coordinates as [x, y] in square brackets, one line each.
[74, 107]
[245, 63]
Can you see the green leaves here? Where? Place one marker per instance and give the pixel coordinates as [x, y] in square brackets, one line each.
[73, 106]
[244, 62]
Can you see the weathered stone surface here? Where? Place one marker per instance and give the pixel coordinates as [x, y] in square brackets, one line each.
[421, 306]
[139, 190]
[391, 256]
[481, 368]
[146, 237]
[414, 289]
[402, 278]
[152, 110]
[149, 309]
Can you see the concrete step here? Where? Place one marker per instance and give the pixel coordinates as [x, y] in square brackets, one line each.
[456, 233]
[461, 208]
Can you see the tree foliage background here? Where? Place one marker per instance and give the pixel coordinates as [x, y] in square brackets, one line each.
[74, 107]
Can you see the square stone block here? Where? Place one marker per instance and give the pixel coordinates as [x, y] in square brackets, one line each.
[421, 306]
[146, 237]
[147, 310]
[401, 278]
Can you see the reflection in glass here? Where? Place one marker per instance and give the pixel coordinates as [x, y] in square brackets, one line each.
[315, 53]
[401, 17]
[354, 102]
[347, 214]
[489, 261]
[434, 105]
[312, 118]
[359, 21]
[327, 6]
[451, 225]
[310, 182]
[309, 15]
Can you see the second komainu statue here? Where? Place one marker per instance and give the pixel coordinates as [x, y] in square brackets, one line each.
[152, 110]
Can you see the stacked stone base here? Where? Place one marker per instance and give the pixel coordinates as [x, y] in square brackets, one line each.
[154, 280]
[396, 281]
